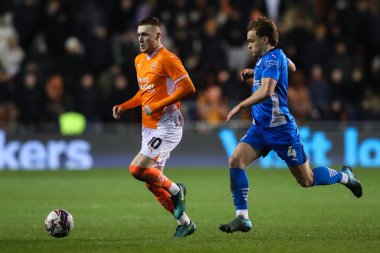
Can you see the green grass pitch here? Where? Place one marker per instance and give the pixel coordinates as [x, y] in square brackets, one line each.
[115, 213]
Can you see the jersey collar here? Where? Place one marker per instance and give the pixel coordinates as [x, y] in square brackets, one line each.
[150, 56]
[273, 49]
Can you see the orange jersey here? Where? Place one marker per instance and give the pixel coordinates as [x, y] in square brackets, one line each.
[157, 76]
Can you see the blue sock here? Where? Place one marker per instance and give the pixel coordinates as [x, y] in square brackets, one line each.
[324, 176]
[239, 188]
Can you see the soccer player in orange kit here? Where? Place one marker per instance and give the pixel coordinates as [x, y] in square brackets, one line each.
[163, 82]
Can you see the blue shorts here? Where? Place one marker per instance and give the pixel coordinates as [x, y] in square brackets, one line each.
[285, 140]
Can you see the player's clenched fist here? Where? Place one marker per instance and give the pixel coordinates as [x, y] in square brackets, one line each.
[117, 110]
[245, 74]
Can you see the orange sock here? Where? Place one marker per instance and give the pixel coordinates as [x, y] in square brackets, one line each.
[151, 176]
[162, 196]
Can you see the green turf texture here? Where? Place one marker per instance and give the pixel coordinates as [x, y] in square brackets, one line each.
[115, 213]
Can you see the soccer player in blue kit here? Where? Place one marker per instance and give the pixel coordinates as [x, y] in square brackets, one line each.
[273, 127]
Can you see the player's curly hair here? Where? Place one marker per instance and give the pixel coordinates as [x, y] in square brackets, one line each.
[265, 27]
[150, 21]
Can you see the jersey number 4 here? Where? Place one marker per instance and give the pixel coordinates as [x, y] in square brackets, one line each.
[292, 152]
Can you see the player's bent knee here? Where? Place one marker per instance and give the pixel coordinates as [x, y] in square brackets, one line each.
[305, 182]
[136, 171]
[236, 162]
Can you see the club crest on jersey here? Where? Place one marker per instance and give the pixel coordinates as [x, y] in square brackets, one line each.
[154, 65]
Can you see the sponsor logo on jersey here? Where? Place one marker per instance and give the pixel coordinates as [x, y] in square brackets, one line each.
[143, 80]
[149, 87]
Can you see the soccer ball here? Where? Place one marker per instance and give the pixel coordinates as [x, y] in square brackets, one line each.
[59, 223]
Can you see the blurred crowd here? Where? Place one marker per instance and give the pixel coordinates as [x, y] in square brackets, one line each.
[60, 55]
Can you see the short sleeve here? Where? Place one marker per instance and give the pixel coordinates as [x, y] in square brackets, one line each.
[271, 69]
[174, 68]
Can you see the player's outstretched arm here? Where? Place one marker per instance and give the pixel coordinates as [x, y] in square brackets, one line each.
[117, 110]
[265, 91]
[185, 88]
[291, 65]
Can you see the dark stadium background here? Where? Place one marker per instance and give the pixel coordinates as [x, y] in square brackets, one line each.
[84, 50]
[61, 56]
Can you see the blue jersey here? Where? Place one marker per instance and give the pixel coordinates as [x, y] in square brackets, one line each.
[273, 111]
[274, 128]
